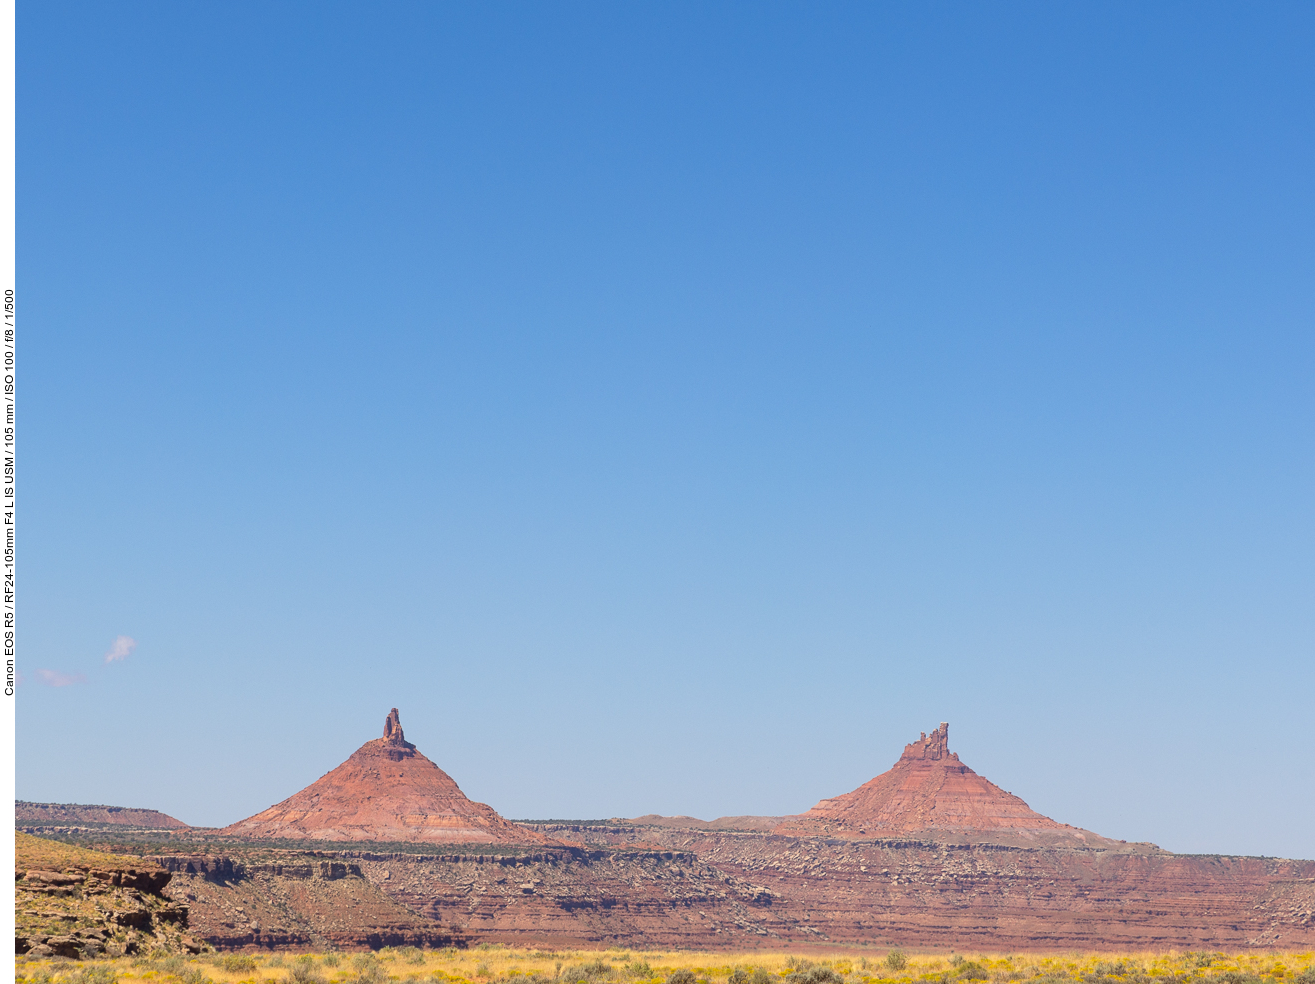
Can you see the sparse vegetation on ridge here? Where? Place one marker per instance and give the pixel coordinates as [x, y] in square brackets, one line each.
[494, 964]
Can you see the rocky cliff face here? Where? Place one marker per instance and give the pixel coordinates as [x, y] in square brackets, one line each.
[714, 889]
[387, 791]
[294, 902]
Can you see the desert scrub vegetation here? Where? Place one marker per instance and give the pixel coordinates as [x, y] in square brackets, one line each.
[494, 964]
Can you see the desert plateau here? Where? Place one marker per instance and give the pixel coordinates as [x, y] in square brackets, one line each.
[386, 854]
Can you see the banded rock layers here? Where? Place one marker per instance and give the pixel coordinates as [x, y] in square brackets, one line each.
[387, 791]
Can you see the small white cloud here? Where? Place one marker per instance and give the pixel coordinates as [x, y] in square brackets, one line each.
[54, 678]
[122, 648]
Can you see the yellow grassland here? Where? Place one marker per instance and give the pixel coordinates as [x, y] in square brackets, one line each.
[504, 965]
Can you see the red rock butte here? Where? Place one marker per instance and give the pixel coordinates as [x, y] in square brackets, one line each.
[930, 790]
[387, 791]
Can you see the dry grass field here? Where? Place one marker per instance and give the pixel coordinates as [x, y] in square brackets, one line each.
[499, 965]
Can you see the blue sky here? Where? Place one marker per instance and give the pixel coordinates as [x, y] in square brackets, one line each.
[672, 408]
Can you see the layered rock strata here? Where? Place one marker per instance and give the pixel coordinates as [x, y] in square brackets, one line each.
[712, 889]
[297, 902]
[720, 890]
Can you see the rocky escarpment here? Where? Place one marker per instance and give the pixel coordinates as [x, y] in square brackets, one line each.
[745, 890]
[386, 791]
[580, 897]
[72, 902]
[294, 901]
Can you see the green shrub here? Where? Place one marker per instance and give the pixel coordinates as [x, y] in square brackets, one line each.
[896, 960]
[681, 976]
[304, 972]
[368, 969]
[814, 975]
[1121, 968]
[236, 963]
[970, 970]
[738, 976]
[1307, 976]
[90, 975]
[332, 960]
[640, 968]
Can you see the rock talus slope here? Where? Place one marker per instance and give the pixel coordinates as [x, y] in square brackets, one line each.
[387, 791]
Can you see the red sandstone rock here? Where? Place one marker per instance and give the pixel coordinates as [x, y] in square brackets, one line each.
[928, 789]
[387, 791]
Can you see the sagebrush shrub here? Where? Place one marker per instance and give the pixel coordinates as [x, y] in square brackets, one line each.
[813, 974]
[368, 969]
[89, 975]
[305, 972]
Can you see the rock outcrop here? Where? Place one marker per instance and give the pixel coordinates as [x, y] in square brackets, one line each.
[387, 791]
[930, 791]
[72, 902]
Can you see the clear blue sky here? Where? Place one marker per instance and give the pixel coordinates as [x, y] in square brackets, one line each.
[672, 408]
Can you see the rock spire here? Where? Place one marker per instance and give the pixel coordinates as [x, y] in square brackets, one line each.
[928, 789]
[387, 791]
